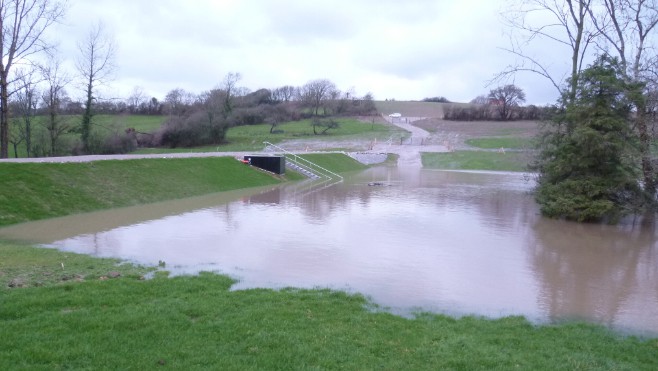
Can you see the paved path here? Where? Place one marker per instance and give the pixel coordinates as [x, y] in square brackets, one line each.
[125, 157]
[409, 151]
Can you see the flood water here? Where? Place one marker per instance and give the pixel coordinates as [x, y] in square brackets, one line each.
[448, 242]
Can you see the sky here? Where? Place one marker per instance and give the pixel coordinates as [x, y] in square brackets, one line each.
[402, 50]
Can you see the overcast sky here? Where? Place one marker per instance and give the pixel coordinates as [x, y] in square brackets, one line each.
[403, 50]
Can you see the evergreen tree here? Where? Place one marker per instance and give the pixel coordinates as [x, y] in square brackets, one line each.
[587, 162]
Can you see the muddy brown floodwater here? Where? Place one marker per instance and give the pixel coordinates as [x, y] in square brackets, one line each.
[408, 238]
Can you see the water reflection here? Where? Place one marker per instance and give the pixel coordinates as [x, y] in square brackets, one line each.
[454, 242]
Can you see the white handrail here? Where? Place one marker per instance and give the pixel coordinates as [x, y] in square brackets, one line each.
[296, 160]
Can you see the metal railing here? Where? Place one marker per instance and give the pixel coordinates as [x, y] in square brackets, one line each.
[306, 164]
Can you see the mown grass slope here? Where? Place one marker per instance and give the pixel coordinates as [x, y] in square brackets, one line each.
[32, 191]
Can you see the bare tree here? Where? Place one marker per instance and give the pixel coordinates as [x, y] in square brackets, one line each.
[52, 98]
[505, 98]
[26, 104]
[569, 27]
[480, 99]
[96, 67]
[178, 101]
[284, 93]
[136, 99]
[315, 93]
[229, 85]
[23, 23]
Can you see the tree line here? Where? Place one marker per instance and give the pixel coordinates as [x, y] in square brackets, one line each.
[203, 119]
[504, 103]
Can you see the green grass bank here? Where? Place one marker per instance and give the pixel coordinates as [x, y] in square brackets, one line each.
[96, 322]
[32, 191]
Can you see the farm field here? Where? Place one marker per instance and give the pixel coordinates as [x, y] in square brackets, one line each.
[413, 108]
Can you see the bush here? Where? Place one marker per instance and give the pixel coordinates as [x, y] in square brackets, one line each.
[198, 129]
[120, 142]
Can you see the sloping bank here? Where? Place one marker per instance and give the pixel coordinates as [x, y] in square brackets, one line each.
[32, 191]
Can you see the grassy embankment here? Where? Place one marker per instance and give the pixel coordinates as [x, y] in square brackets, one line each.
[43, 190]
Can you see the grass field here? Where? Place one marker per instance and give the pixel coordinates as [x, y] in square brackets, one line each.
[413, 109]
[92, 321]
[477, 160]
[251, 137]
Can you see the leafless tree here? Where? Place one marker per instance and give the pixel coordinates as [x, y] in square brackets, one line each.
[315, 93]
[505, 98]
[96, 67]
[26, 104]
[136, 99]
[284, 93]
[480, 99]
[569, 27]
[23, 23]
[229, 85]
[178, 101]
[52, 98]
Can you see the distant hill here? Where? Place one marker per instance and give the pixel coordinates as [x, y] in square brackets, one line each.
[413, 108]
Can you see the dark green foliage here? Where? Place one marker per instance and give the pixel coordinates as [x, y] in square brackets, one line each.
[586, 163]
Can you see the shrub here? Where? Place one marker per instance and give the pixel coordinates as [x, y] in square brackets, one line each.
[200, 128]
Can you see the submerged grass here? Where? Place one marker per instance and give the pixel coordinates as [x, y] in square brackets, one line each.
[198, 323]
[336, 162]
[477, 160]
[26, 266]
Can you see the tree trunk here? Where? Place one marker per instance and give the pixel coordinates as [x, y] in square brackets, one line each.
[579, 21]
[53, 132]
[86, 118]
[28, 138]
[645, 151]
[4, 116]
